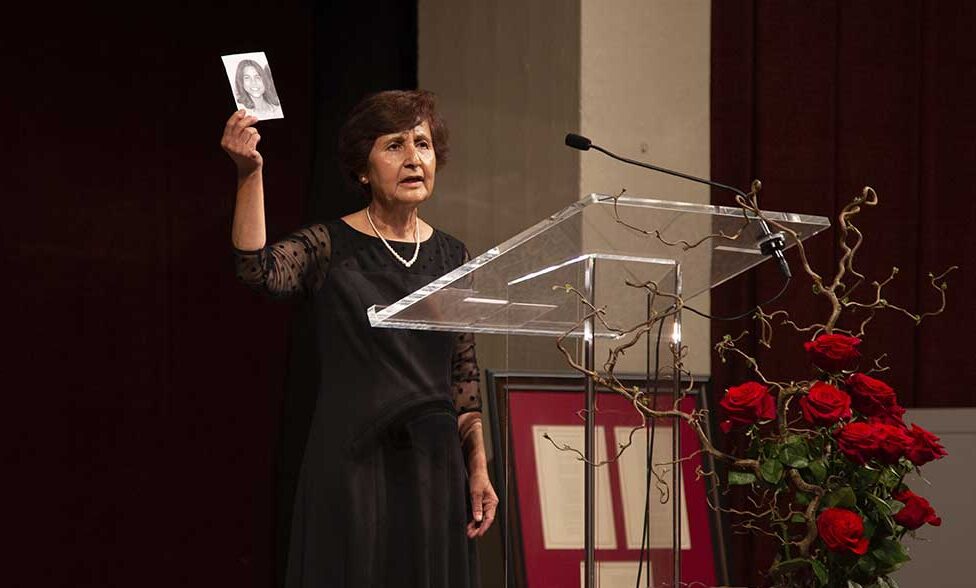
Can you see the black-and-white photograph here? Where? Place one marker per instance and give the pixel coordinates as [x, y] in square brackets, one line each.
[253, 87]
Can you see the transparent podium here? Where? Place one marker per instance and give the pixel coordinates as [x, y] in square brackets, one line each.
[599, 252]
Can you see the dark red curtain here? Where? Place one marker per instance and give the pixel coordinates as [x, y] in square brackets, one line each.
[144, 388]
[817, 100]
[143, 384]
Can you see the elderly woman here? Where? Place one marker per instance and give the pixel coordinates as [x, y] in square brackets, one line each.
[394, 485]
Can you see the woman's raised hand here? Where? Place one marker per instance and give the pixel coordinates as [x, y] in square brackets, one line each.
[240, 141]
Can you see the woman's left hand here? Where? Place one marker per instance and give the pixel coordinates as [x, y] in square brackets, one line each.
[484, 501]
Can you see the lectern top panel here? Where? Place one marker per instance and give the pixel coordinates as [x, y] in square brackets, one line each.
[614, 245]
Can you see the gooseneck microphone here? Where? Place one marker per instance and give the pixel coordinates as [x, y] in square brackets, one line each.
[770, 243]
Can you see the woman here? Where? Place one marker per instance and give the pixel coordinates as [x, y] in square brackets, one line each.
[255, 91]
[394, 484]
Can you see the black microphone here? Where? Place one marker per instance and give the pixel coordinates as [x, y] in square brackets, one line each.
[578, 142]
[770, 243]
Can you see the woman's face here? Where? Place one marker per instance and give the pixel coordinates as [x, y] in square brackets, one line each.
[401, 166]
[253, 84]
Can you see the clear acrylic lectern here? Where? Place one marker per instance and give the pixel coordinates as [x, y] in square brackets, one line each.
[598, 246]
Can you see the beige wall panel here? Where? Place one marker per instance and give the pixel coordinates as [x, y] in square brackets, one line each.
[507, 76]
[645, 94]
[941, 556]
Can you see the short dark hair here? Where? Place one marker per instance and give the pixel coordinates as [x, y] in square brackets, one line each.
[270, 93]
[383, 113]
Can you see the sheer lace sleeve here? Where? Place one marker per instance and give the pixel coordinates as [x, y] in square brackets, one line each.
[295, 265]
[465, 375]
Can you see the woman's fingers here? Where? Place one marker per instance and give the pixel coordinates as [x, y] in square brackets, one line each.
[477, 508]
[237, 122]
[251, 145]
[240, 136]
[484, 502]
[490, 502]
[232, 121]
[240, 140]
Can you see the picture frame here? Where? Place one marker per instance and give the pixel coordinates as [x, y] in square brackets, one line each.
[518, 400]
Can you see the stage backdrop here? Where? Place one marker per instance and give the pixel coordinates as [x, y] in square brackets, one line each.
[144, 386]
[820, 99]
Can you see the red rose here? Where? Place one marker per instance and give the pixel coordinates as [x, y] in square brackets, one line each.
[870, 396]
[857, 441]
[842, 530]
[825, 405]
[833, 352]
[916, 512]
[891, 416]
[893, 442]
[923, 446]
[747, 404]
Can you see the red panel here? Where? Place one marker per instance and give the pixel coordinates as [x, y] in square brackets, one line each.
[561, 567]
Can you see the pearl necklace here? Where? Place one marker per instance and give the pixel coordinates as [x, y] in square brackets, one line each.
[416, 238]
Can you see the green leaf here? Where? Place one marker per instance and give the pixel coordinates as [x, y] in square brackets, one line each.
[895, 506]
[853, 584]
[802, 498]
[867, 566]
[891, 582]
[772, 471]
[820, 571]
[869, 527]
[772, 449]
[843, 497]
[794, 456]
[790, 564]
[891, 553]
[866, 477]
[896, 550]
[741, 478]
[819, 470]
[882, 505]
[798, 518]
[893, 568]
[890, 478]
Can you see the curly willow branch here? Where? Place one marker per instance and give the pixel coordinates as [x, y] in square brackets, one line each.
[768, 503]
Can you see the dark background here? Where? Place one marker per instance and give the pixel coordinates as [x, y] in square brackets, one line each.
[153, 415]
[819, 99]
[147, 405]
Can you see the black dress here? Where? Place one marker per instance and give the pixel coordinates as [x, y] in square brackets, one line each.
[382, 496]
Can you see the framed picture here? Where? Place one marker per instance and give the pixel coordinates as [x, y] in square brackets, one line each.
[536, 425]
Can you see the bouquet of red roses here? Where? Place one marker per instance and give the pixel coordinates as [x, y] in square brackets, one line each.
[825, 459]
[832, 453]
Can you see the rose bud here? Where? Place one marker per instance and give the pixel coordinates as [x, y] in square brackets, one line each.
[824, 405]
[833, 352]
[923, 446]
[916, 512]
[857, 441]
[891, 416]
[842, 530]
[893, 442]
[747, 404]
[869, 396]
